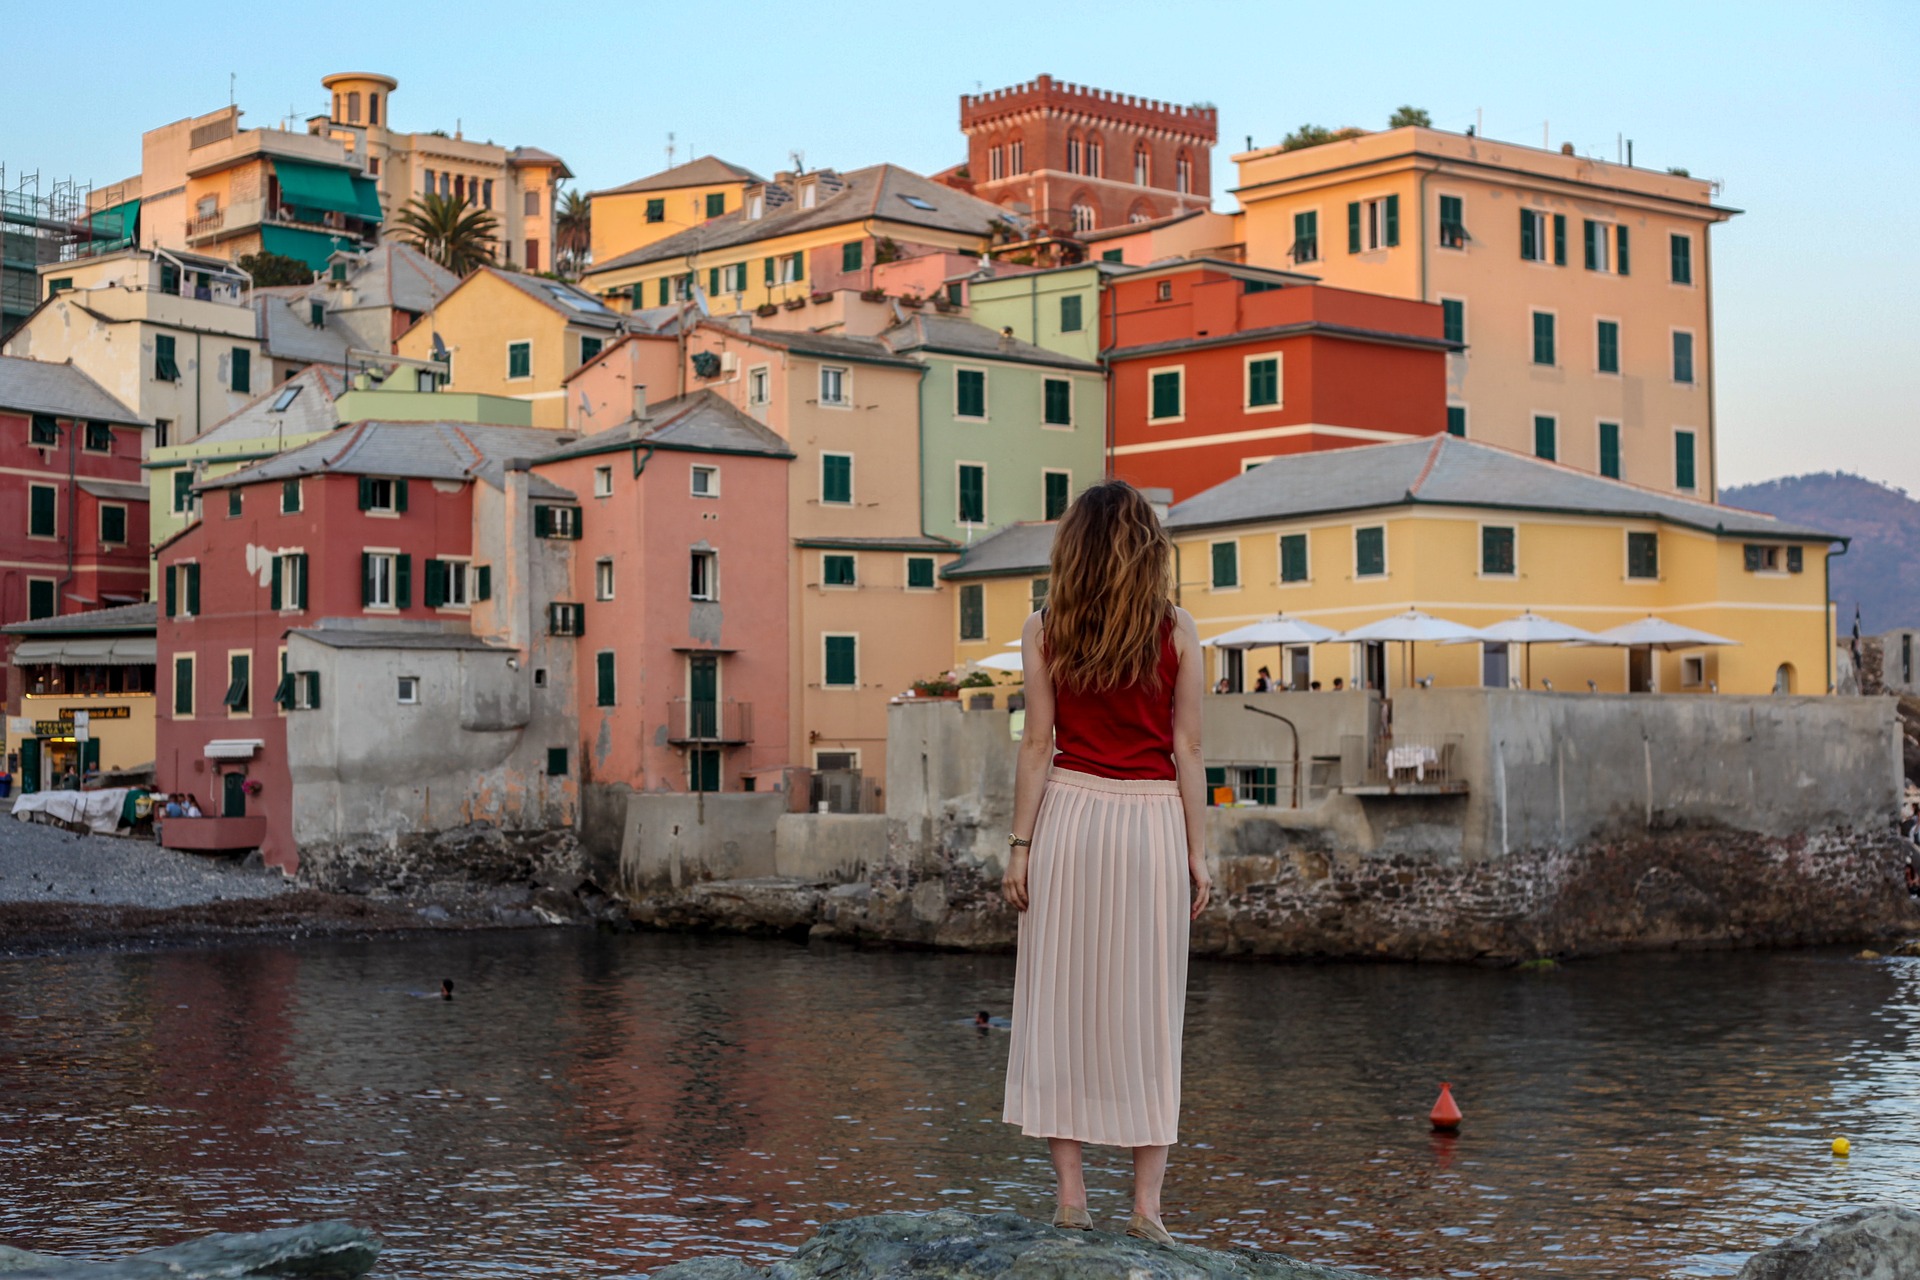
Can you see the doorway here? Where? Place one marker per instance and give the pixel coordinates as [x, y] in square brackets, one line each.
[1640, 669]
[703, 700]
[233, 795]
[1299, 667]
[1373, 664]
[1783, 678]
[1494, 670]
[1233, 669]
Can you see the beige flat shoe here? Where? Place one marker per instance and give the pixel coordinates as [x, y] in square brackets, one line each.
[1143, 1228]
[1072, 1217]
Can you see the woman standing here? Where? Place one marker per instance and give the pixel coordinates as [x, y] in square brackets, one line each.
[1107, 862]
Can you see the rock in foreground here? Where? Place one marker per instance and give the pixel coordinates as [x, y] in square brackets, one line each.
[950, 1245]
[323, 1251]
[1876, 1242]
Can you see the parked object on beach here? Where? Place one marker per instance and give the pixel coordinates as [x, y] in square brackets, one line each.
[95, 811]
[950, 1245]
[1873, 1242]
[321, 1251]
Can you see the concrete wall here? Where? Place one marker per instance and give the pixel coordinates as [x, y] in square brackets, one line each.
[673, 840]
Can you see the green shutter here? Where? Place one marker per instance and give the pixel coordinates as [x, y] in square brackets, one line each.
[1293, 557]
[1543, 344]
[193, 590]
[164, 367]
[1592, 246]
[716, 203]
[403, 582]
[1683, 357]
[970, 393]
[1370, 552]
[973, 495]
[1643, 555]
[1057, 409]
[400, 495]
[768, 271]
[519, 359]
[1226, 564]
[603, 679]
[1263, 382]
[183, 686]
[1393, 221]
[172, 575]
[1353, 226]
[665, 294]
[1216, 778]
[1166, 394]
[1559, 239]
[836, 478]
[852, 256]
[1796, 559]
[713, 282]
[1057, 486]
[1070, 313]
[1545, 431]
[242, 370]
[543, 522]
[1680, 259]
[483, 582]
[1496, 550]
[313, 690]
[556, 762]
[842, 661]
[973, 612]
[1620, 249]
[277, 589]
[919, 571]
[113, 525]
[637, 295]
[799, 266]
[289, 496]
[366, 494]
[1755, 558]
[1529, 236]
[1608, 340]
[656, 210]
[235, 503]
[1453, 319]
[1113, 255]
[1610, 450]
[366, 578]
[42, 520]
[435, 586]
[1683, 477]
[1457, 420]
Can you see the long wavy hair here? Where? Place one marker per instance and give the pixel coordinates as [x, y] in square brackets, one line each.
[1111, 589]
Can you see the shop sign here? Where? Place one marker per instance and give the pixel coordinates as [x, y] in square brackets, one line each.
[97, 713]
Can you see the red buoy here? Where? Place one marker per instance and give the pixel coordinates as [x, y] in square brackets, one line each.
[1445, 1115]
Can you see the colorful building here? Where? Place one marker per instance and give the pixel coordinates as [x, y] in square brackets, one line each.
[169, 335]
[1580, 288]
[100, 662]
[1059, 308]
[799, 235]
[362, 303]
[611, 389]
[1217, 367]
[1072, 159]
[648, 210]
[1197, 233]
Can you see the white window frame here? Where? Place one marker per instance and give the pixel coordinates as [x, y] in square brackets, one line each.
[1693, 357]
[406, 690]
[1279, 559]
[845, 375]
[853, 479]
[849, 635]
[603, 578]
[711, 472]
[173, 686]
[252, 686]
[986, 498]
[1459, 194]
[1768, 551]
[1542, 236]
[1480, 551]
[392, 557]
[909, 573]
[759, 384]
[1054, 471]
[1386, 557]
[603, 482]
[710, 574]
[511, 344]
[392, 508]
[840, 586]
[839, 751]
[986, 386]
[1693, 671]
[1068, 425]
[1179, 369]
[783, 272]
[461, 600]
[1559, 343]
[1246, 383]
[292, 578]
[54, 489]
[1693, 261]
[1606, 261]
[1373, 225]
[1620, 343]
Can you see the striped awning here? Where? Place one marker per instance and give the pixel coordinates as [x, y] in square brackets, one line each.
[88, 651]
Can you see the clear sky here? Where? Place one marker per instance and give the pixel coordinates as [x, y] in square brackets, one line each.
[1807, 114]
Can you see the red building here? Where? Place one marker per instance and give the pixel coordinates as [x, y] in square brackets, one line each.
[74, 534]
[1079, 159]
[1217, 367]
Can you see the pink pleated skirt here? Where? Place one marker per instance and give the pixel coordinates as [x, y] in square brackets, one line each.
[1099, 992]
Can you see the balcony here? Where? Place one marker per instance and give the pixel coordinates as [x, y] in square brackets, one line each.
[1403, 765]
[213, 835]
[706, 723]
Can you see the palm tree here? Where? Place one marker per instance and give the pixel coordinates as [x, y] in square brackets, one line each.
[573, 228]
[454, 233]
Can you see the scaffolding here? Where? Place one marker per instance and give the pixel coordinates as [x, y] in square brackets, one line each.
[70, 220]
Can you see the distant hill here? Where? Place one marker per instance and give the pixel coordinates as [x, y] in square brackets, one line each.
[1881, 570]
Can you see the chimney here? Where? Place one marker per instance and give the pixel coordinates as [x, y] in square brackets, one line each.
[639, 402]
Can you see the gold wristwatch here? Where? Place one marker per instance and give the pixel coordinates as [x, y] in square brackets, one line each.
[1017, 842]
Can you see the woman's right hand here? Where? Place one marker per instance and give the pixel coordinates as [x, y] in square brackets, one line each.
[1014, 884]
[1202, 884]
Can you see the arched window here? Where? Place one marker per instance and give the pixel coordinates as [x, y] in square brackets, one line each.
[1084, 217]
[1017, 155]
[1073, 152]
[996, 168]
[1141, 212]
[1094, 149]
[1783, 678]
[1183, 173]
[1142, 166]
[353, 107]
[336, 107]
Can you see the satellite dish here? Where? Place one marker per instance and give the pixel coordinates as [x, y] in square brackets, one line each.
[440, 351]
[586, 406]
[700, 301]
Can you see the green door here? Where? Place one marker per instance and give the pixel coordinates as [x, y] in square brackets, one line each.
[29, 765]
[704, 766]
[233, 795]
[703, 697]
[89, 759]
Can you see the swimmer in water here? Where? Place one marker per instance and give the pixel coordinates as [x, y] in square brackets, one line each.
[446, 988]
[985, 1021]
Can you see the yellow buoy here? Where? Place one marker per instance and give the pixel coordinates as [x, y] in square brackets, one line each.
[1841, 1146]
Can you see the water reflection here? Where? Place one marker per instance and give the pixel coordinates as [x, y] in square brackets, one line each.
[599, 1105]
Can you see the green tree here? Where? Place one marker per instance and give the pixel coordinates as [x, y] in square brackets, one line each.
[270, 269]
[1314, 135]
[1410, 115]
[573, 231]
[454, 233]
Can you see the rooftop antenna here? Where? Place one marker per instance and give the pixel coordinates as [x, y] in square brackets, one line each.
[799, 159]
[669, 149]
[233, 79]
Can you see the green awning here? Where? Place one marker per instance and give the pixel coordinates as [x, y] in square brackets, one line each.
[310, 247]
[316, 186]
[367, 192]
[117, 222]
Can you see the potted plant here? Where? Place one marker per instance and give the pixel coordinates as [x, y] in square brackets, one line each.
[873, 295]
[913, 300]
[794, 304]
[767, 309]
[936, 687]
[978, 680]
[820, 297]
[253, 786]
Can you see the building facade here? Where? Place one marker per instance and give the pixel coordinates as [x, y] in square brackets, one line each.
[648, 210]
[100, 663]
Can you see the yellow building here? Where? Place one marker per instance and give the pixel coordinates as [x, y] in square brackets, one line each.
[648, 210]
[1473, 534]
[1581, 288]
[796, 236]
[100, 663]
[514, 335]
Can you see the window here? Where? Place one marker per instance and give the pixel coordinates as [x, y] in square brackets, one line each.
[842, 654]
[1056, 489]
[289, 496]
[1226, 565]
[1116, 255]
[519, 359]
[793, 268]
[1453, 223]
[836, 478]
[1543, 337]
[42, 598]
[1095, 157]
[603, 482]
[1183, 173]
[1373, 224]
[1683, 473]
[242, 370]
[164, 368]
[239, 699]
[996, 164]
[183, 497]
[590, 347]
[1680, 259]
[554, 521]
[757, 381]
[1496, 551]
[1084, 217]
[1142, 166]
[383, 495]
[1073, 153]
[1643, 555]
[704, 482]
[1017, 156]
[236, 504]
[162, 432]
[1164, 292]
[1610, 450]
[970, 393]
[1167, 393]
[1306, 237]
[603, 579]
[113, 524]
[703, 579]
[603, 682]
[1263, 382]
[42, 502]
[287, 582]
[957, 292]
[183, 590]
[1535, 240]
[406, 690]
[920, 573]
[556, 762]
[1607, 346]
[973, 612]
[1760, 559]
[656, 211]
[1599, 245]
[99, 438]
[973, 493]
[1453, 319]
[43, 430]
[386, 580]
[852, 256]
[183, 685]
[1070, 321]
[1370, 552]
[833, 385]
[1457, 420]
[837, 571]
[530, 206]
[1682, 356]
[1620, 249]
[1546, 436]
[566, 619]
[316, 315]
[1293, 557]
[1056, 408]
[716, 203]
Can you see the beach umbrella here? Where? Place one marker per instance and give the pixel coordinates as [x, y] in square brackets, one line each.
[1655, 633]
[1527, 630]
[1001, 662]
[1409, 628]
[1270, 633]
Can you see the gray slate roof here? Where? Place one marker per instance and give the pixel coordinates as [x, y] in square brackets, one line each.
[1018, 548]
[699, 422]
[288, 336]
[1450, 471]
[40, 386]
[576, 304]
[457, 451]
[119, 618]
[394, 638]
[310, 412]
[707, 171]
[879, 191]
[939, 334]
[827, 346]
[393, 274]
[116, 490]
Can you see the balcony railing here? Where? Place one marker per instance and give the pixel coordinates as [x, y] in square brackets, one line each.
[1404, 762]
[206, 223]
[709, 723]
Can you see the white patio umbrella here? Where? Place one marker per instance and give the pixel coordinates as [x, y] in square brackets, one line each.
[1001, 662]
[1655, 633]
[1527, 630]
[1275, 632]
[1409, 628]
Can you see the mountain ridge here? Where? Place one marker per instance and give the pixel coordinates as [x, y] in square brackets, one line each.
[1879, 573]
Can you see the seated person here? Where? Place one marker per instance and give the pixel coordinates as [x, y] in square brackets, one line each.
[193, 807]
[1263, 683]
[174, 809]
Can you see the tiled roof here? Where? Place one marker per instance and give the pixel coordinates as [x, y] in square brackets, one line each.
[827, 346]
[393, 638]
[309, 412]
[534, 155]
[40, 386]
[1134, 228]
[882, 191]
[1018, 548]
[285, 331]
[950, 335]
[124, 617]
[707, 171]
[702, 421]
[457, 451]
[576, 304]
[114, 490]
[394, 274]
[1449, 471]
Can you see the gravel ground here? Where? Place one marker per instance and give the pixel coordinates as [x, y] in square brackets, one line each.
[45, 864]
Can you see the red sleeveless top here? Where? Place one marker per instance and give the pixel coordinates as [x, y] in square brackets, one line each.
[1120, 733]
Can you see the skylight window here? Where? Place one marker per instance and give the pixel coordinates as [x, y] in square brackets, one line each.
[578, 302]
[918, 203]
[286, 397]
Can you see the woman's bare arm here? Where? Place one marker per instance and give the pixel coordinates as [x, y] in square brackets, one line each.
[1190, 766]
[1036, 758]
